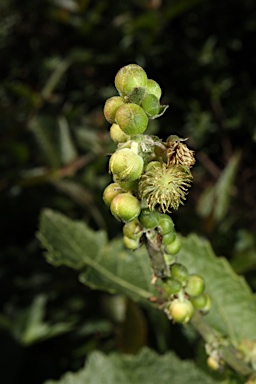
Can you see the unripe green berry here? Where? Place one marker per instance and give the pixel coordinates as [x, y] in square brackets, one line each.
[153, 164]
[195, 285]
[151, 105]
[179, 272]
[128, 185]
[208, 304]
[154, 88]
[131, 244]
[169, 238]
[132, 119]
[133, 229]
[111, 191]
[213, 363]
[149, 219]
[117, 135]
[111, 106]
[169, 259]
[181, 311]
[165, 225]
[130, 77]
[199, 301]
[126, 165]
[172, 286]
[174, 247]
[125, 207]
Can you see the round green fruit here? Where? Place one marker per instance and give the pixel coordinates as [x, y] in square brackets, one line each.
[172, 286]
[206, 308]
[129, 77]
[111, 106]
[133, 229]
[166, 224]
[213, 363]
[128, 185]
[117, 135]
[174, 247]
[169, 259]
[126, 165]
[153, 165]
[169, 238]
[131, 244]
[181, 311]
[149, 219]
[132, 119]
[195, 285]
[111, 191]
[154, 88]
[179, 272]
[125, 207]
[151, 105]
[200, 301]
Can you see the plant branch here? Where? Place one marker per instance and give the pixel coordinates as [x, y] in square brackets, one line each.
[228, 353]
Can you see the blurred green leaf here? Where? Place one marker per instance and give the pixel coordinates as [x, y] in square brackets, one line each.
[215, 200]
[233, 311]
[110, 267]
[224, 187]
[67, 148]
[29, 327]
[43, 129]
[106, 266]
[145, 368]
[244, 259]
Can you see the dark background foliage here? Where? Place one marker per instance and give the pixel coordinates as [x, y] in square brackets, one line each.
[58, 62]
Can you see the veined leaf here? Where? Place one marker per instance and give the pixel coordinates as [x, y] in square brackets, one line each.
[233, 311]
[145, 368]
[106, 266]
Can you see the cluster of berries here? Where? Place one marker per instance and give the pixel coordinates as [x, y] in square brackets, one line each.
[150, 177]
[184, 292]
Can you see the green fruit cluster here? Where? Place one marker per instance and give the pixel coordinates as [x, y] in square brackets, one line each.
[128, 113]
[185, 292]
[150, 177]
[137, 102]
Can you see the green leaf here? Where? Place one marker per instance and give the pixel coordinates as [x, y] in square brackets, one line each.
[67, 242]
[41, 126]
[145, 368]
[233, 311]
[106, 266]
[29, 326]
[216, 200]
[67, 148]
[224, 187]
